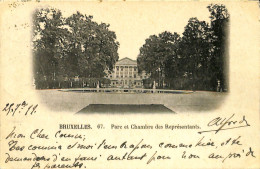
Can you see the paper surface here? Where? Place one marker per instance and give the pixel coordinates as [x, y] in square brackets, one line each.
[113, 140]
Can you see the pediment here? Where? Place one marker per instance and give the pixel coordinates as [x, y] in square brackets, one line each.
[126, 61]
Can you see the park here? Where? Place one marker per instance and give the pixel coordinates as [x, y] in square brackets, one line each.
[77, 65]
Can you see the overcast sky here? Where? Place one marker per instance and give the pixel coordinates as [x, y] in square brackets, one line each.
[133, 22]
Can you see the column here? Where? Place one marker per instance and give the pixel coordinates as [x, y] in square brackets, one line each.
[119, 71]
[115, 72]
[133, 69]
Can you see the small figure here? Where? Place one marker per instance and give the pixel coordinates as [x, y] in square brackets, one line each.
[154, 88]
[98, 86]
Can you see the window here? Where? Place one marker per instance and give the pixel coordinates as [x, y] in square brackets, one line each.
[117, 68]
[134, 75]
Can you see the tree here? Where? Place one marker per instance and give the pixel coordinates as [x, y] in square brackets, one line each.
[195, 51]
[48, 37]
[155, 53]
[73, 46]
[173, 66]
[195, 61]
[93, 47]
[219, 17]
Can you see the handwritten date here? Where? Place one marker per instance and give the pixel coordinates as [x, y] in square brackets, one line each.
[24, 108]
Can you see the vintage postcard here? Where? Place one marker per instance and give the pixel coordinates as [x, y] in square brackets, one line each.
[129, 84]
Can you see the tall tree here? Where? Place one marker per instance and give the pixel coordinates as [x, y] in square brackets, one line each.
[197, 60]
[173, 67]
[195, 50]
[93, 46]
[73, 46]
[154, 54]
[48, 37]
[219, 17]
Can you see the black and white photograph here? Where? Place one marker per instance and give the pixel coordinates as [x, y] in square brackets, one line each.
[125, 64]
[129, 84]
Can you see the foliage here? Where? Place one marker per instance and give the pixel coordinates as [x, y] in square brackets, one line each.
[155, 53]
[219, 24]
[76, 46]
[195, 61]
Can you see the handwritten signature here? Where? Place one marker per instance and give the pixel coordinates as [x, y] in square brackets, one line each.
[226, 124]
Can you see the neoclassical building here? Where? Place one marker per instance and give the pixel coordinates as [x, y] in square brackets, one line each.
[125, 74]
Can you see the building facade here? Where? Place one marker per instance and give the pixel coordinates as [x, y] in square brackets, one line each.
[125, 75]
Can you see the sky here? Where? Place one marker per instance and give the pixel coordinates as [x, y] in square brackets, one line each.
[133, 22]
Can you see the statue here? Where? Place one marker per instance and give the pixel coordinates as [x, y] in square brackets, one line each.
[98, 86]
[154, 88]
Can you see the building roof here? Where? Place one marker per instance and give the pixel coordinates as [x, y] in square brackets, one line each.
[126, 61]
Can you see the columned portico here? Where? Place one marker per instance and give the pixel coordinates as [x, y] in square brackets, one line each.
[125, 74]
